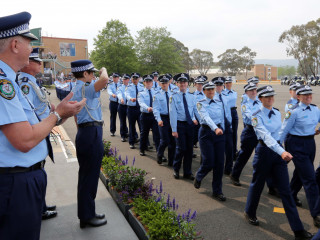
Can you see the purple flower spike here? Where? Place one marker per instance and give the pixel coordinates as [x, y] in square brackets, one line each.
[119, 157]
[126, 161]
[177, 206]
[194, 215]
[160, 186]
[168, 200]
[134, 160]
[174, 204]
[188, 214]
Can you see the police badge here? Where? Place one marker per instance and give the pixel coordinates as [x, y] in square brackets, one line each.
[6, 89]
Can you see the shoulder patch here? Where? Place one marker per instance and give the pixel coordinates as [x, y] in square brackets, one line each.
[288, 114]
[6, 89]
[199, 106]
[256, 112]
[25, 89]
[276, 109]
[154, 98]
[244, 108]
[126, 88]
[2, 73]
[254, 121]
[170, 99]
[290, 105]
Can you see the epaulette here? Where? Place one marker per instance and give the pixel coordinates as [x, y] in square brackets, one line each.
[276, 109]
[224, 94]
[174, 93]
[25, 79]
[290, 101]
[256, 112]
[2, 73]
[202, 100]
[313, 104]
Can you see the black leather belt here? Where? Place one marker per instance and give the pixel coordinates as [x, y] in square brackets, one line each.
[206, 126]
[90, 124]
[183, 122]
[36, 166]
[148, 114]
[303, 137]
[164, 115]
[233, 108]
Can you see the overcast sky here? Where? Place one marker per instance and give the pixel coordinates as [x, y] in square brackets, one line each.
[211, 25]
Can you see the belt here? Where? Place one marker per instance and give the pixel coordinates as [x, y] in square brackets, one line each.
[263, 144]
[183, 122]
[233, 108]
[133, 106]
[303, 137]
[36, 166]
[164, 115]
[90, 124]
[150, 113]
[206, 126]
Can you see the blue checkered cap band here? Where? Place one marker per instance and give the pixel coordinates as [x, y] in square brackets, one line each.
[265, 91]
[19, 30]
[209, 85]
[83, 68]
[303, 90]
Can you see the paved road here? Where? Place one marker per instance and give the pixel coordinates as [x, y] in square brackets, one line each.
[216, 220]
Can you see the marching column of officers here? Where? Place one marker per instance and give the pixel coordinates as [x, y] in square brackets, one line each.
[179, 119]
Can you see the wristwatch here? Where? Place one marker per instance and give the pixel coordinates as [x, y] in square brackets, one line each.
[59, 120]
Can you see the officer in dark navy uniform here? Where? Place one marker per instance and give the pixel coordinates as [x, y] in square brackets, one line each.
[24, 140]
[122, 107]
[298, 129]
[147, 120]
[89, 144]
[133, 113]
[182, 111]
[113, 102]
[161, 113]
[211, 140]
[271, 159]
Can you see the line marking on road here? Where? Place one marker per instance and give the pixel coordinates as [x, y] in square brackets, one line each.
[278, 210]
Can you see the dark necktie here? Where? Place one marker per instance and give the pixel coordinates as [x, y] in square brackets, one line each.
[116, 92]
[270, 113]
[189, 120]
[150, 96]
[308, 108]
[169, 86]
[230, 92]
[224, 113]
[255, 102]
[211, 101]
[156, 85]
[167, 97]
[137, 104]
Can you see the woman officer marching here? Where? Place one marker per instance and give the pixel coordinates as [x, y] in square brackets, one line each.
[271, 159]
[211, 140]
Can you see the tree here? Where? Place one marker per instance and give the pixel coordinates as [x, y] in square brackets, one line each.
[230, 62]
[114, 48]
[286, 71]
[201, 60]
[246, 59]
[184, 54]
[156, 50]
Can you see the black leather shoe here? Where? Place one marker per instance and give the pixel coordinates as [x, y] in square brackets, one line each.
[112, 134]
[159, 159]
[302, 235]
[196, 183]
[93, 222]
[219, 197]
[51, 208]
[235, 181]
[150, 147]
[298, 202]
[273, 192]
[100, 216]
[142, 153]
[316, 221]
[123, 139]
[176, 175]
[132, 146]
[194, 155]
[136, 140]
[190, 177]
[49, 214]
[252, 220]
[164, 159]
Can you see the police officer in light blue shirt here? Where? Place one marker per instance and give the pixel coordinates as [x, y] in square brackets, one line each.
[254, 80]
[122, 107]
[113, 102]
[147, 119]
[89, 144]
[182, 111]
[161, 114]
[298, 129]
[211, 140]
[24, 141]
[232, 101]
[155, 85]
[271, 159]
[172, 87]
[293, 102]
[133, 113]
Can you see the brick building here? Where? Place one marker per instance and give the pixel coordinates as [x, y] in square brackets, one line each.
[265, 72]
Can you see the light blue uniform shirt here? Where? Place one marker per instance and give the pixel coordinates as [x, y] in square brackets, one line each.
[112, 89]
[120, 94]
[300, 122]
[92, 110]
[225, 104]
[210, 114]
[199, 95]
[177, 111]
[30, 88]
[130, 92]
[173, 88]
[231, 96]
[267, 129]
[73, 84]
[291, 104]
[156, 86]
[144, 99]
[160, 104]
[244, 98]
[248, 108]
[16, 110]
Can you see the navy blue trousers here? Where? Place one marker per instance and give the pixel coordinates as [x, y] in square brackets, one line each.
[235, 122]
[21, 198]
[89, 153]
[212, 154]
[113, 107]
[133, 114]
[268, 163]
[184, 148]
[303, 152]
[148, 122]
[196, 133]
[248, 143]
[122, 111]
[166, 140]
[228, 150]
